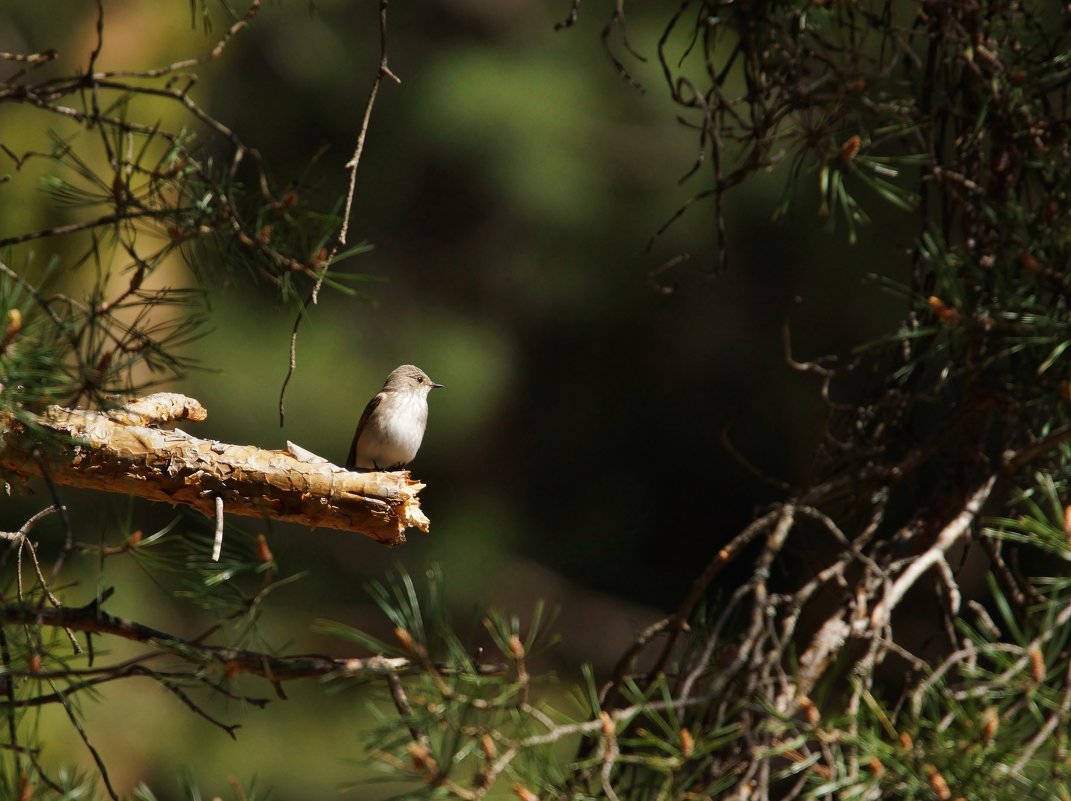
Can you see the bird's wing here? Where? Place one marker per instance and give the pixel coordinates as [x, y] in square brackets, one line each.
[351, 459]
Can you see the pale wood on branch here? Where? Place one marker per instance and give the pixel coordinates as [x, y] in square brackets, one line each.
[118, 451]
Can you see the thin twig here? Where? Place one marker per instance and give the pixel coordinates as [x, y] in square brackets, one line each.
[401, 703]
[949, 535]
[217, 540]
[1057, 718]
[8, 685]
[382, 72]
[724, 557]
[92, 620]
[185, 64]
[101, 768]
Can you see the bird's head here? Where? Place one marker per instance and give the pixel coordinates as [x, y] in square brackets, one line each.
[410, 378]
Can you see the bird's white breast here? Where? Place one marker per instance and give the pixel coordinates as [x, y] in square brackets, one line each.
[393, 433]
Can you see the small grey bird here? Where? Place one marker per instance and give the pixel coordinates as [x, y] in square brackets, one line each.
[392, 426]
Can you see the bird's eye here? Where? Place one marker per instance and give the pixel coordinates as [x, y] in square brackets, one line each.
[420, 379]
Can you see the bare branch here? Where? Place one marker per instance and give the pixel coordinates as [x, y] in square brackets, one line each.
[171, 466]
[91, 619]
[185, 64]
[937, 552]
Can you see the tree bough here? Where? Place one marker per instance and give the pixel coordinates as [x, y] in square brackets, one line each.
[126, 451]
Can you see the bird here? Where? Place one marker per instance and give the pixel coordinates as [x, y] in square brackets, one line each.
[392, 425]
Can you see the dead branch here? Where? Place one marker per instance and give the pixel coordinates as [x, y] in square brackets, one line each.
[92, 620]
[831, 637]
[937, 552]
[109, 452]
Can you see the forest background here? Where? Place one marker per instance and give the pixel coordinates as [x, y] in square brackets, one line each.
[511, 186]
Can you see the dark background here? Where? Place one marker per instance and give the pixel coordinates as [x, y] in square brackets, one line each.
[509, 186]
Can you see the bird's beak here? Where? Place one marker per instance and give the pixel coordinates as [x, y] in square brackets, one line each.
[436, 386]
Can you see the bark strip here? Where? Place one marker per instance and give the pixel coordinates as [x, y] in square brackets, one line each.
[103, 451]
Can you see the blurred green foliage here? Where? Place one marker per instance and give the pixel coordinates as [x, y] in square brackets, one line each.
[509, 186]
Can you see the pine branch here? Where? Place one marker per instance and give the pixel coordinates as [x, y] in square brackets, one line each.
[118, 451]
[92, 620]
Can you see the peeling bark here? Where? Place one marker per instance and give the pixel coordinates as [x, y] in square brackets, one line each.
[118, 451]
